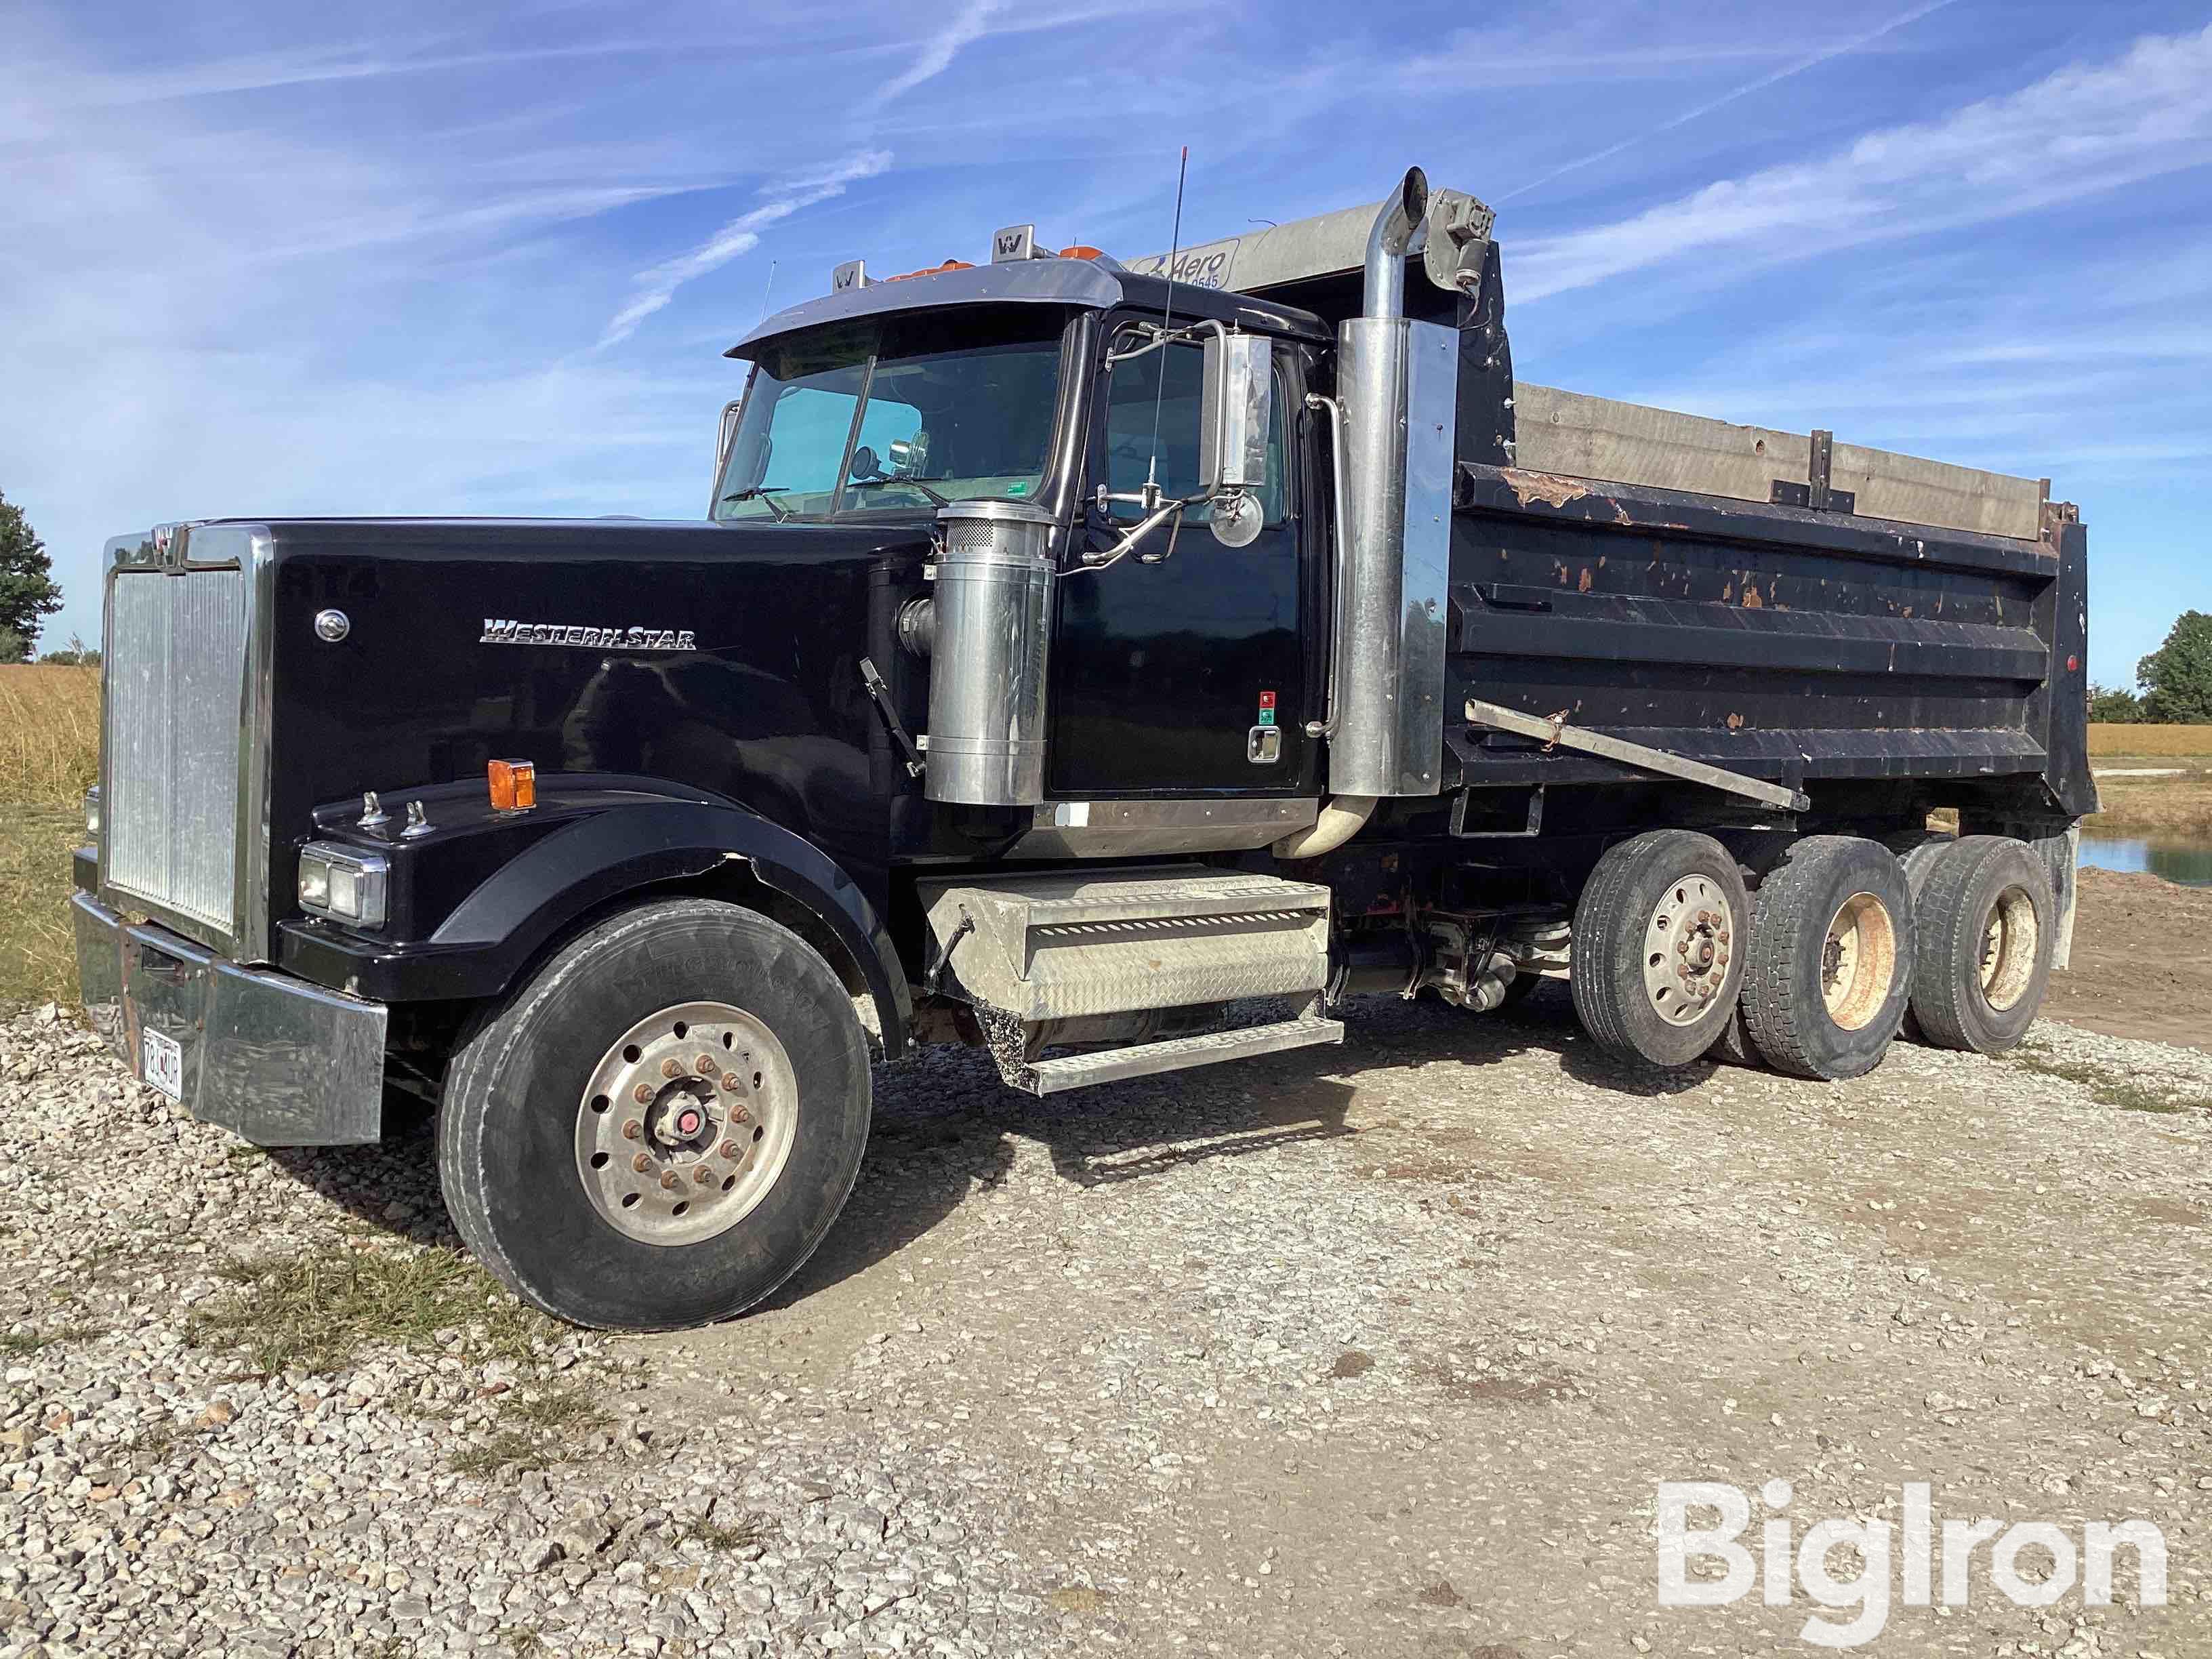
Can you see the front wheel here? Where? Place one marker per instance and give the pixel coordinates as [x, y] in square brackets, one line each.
[658, 1128]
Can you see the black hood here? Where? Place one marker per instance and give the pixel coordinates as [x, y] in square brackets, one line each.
[722, 657]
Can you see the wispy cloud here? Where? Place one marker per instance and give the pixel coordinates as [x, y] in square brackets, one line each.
[1811, 60]
[968, 26]
[2083, 129]
[310, 66]
[656, 286]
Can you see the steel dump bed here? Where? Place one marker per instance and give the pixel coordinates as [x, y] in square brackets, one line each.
[1773, 603]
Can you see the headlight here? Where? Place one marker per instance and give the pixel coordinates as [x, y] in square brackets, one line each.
[92, 812]
[343, 884]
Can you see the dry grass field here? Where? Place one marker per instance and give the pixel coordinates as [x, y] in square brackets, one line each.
[2108, 741]
[2168, 805]
[48, 756]
[38, 954]
[49, 734]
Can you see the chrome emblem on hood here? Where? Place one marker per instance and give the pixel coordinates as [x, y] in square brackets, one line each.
[502, 631]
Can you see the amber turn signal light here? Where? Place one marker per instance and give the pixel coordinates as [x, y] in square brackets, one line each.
[514, 785]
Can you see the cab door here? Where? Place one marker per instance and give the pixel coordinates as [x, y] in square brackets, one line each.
[1180, 673]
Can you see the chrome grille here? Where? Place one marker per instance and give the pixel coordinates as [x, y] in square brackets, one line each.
[175, 673]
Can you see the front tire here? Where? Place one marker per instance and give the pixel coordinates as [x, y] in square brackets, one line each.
[1658, 951]
[657, 1129]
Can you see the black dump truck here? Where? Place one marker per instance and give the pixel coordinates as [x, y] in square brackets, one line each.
[1120, 667]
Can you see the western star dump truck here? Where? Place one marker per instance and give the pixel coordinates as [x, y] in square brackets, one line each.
[1116, 666]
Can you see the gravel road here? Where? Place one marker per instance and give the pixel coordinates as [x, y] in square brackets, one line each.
[1380, 1352]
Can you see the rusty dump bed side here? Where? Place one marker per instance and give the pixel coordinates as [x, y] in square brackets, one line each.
[1805, 647]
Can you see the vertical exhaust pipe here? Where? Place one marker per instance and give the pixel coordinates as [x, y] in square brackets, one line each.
[1397, 383]
[1384, 298]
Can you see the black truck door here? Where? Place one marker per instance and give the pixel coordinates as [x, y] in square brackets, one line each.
[1186, 675]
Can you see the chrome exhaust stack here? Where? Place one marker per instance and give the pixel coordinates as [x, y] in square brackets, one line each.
[1397, 383]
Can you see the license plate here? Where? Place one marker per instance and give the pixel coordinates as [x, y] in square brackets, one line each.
[164, 1063]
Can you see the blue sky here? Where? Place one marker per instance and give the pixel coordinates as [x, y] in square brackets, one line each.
[270, 259]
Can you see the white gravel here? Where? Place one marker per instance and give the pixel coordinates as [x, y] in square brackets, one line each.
[1381, 1351]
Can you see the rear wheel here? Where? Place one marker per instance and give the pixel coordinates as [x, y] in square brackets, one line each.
[658, 1129]
[1984, 915]
[1657, 959]
[1831, 960]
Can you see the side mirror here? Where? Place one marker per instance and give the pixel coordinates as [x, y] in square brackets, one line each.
[1235, 405]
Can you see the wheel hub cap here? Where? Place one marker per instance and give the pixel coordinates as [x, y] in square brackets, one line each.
[686, 1123]
[1687, 943]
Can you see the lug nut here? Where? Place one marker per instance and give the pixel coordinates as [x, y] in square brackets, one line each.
[671, 1067]
[671, 1181]
[738, 1114]
[642, 1094]
[705, 1066]
[633, 1129]
[641, 1163]
[732, 1082]
[731, 1149]
[703, 1174]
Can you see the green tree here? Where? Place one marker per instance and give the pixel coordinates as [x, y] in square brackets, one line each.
[75, 654]
[12, 648]
[27, 591]
[2115, 705]
[2177, 678]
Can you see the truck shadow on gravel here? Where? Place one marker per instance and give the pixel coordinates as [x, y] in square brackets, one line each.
[393, 1185]
[1381, 1032]
[946, 1129]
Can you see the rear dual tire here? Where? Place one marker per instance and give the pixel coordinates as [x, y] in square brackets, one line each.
[1831, 966]
[1658, 946]
[1986, 921]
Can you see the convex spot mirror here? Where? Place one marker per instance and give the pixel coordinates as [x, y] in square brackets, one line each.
[1237, 519]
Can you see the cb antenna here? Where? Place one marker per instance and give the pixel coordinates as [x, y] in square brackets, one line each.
[1167, 321]
[769, 289]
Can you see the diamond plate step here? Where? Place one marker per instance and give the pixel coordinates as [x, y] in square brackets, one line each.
[1051, 1076]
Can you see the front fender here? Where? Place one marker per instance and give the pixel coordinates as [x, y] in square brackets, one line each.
[534, 899]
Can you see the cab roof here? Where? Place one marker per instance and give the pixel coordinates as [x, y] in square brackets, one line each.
[1086, 285]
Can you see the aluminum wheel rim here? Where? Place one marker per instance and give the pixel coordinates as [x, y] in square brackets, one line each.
[1686, 945]
[1858, 960]
[2009, 943]
[686, 1123]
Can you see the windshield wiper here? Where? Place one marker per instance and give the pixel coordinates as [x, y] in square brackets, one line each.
[911, 483]
[761, 493]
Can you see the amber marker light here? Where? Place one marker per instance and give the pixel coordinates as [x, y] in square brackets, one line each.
[514, 785]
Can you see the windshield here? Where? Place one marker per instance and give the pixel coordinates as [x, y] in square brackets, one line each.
[903, 413]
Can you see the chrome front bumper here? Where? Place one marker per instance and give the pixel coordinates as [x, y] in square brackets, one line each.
[278, 1060]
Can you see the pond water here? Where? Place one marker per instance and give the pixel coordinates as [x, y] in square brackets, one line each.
[2185, 858]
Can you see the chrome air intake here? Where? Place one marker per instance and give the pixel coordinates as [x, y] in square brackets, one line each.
[987, 655]
[1397, 383]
